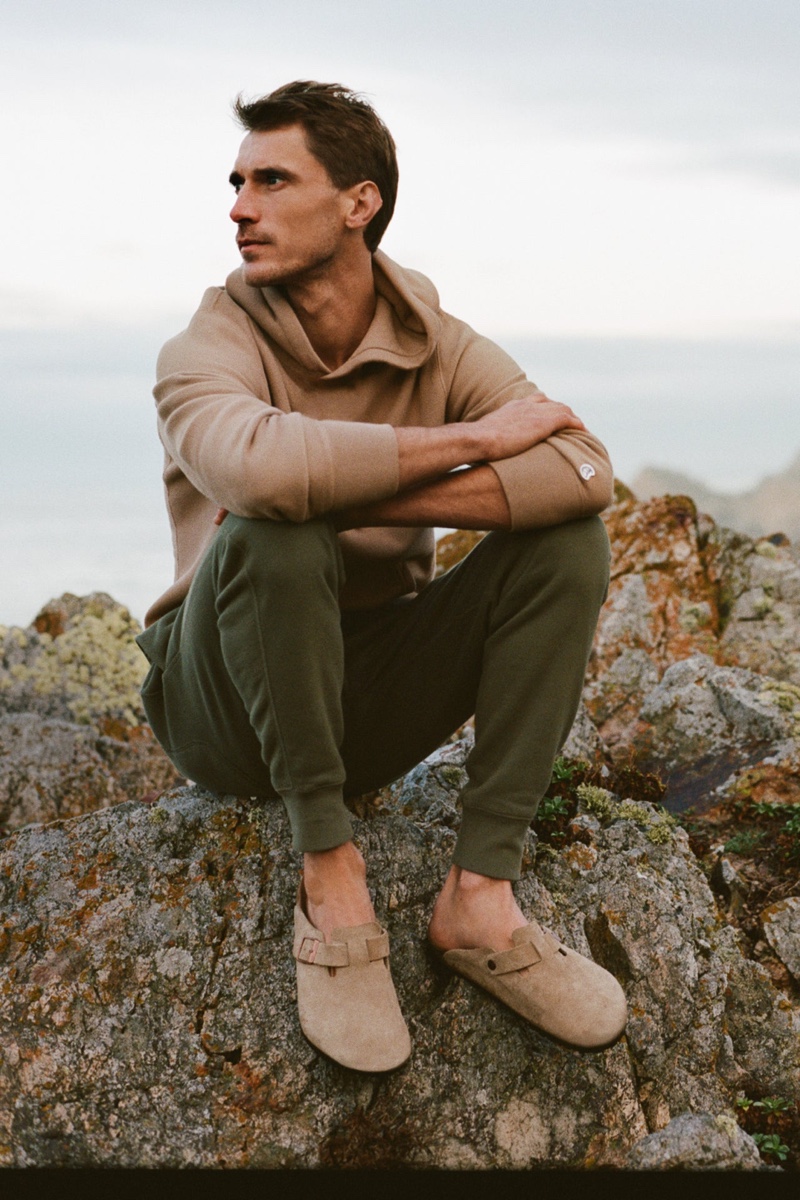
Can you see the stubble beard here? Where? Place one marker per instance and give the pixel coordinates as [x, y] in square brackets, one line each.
[300, 273]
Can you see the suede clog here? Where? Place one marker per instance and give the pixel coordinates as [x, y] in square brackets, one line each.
[552, 987]
[346, 1000]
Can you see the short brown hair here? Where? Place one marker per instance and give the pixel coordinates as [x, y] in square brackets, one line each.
[343, 132]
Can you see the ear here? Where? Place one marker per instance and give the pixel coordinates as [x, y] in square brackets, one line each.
[363, 201]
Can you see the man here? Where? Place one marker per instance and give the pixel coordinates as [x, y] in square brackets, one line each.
[313, 416]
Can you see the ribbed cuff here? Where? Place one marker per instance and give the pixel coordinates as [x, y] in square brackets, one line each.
[490, 844]
[319, 820]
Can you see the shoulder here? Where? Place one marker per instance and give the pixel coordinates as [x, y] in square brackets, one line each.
[218, 325]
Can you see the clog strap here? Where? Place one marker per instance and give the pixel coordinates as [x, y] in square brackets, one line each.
[533, 946]
[523, 955]
[338, 954]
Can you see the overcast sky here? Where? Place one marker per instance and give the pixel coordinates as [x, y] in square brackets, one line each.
[567, 166]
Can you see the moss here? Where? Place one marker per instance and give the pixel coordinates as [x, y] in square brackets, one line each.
[602, 803]
[694, 617]
[598, 800]
[785, 696]
[763, 606]
[661, 833]
[95, 665]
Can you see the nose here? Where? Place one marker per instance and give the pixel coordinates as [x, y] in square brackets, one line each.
[242, 207]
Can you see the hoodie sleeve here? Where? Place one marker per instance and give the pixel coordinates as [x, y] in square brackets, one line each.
[217, 423]
[565, 477]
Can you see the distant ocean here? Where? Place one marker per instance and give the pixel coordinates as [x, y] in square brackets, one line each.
[80, 461]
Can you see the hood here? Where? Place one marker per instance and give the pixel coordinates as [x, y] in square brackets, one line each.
[403, 333]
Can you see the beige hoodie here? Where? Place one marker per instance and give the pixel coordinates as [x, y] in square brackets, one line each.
[252, 420]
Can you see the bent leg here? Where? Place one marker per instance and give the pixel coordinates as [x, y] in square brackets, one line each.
[506, 635]
[247, 694]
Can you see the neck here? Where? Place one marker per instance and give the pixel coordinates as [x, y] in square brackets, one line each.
[336, 309]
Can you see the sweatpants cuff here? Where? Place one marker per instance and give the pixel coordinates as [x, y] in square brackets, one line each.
[319, 820]
[490, 844]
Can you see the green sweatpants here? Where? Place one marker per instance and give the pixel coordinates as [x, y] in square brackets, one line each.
[259, 685]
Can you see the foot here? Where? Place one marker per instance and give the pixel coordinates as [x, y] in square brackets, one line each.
[474, 911]
[335, 888]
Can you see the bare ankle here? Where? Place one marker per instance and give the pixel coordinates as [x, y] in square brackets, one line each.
[323, 867]
[335, 888]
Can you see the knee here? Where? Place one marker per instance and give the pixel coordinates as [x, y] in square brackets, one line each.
[282, 551]
[575, 556]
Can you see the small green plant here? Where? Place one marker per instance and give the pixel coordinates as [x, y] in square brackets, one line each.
[744, 1102]
[793, 825]
[744, 842]
[764, 809]
[563, 770]
[771, 1144]
[552, 807]
[774, 1104]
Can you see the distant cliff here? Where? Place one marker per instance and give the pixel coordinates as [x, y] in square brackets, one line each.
[771, 507]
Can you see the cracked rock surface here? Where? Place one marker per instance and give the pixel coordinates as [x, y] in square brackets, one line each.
[147, 1013]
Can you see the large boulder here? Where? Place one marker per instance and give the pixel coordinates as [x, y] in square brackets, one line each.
[147, 997]
[73, 736]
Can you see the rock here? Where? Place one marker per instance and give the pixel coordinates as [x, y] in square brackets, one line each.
[760, 604]
[452, 547]
[782, 930]
[51, 769]
[72, 731]
[661, 607]
[702, 722]
[78, 662]
[146, 984]
[584, 742]
[729, 884]
[697, 1142]
[774, 504]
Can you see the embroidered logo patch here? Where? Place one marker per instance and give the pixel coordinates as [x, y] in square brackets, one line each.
[587, 470]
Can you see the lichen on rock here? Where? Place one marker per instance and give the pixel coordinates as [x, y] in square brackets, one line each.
[78, 661]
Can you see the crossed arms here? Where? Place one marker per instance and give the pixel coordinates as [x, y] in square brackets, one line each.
[429, 493]
[531, 461]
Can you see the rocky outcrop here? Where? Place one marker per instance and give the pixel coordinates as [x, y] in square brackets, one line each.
[72, 731]
[51, 769]
[76, 662]
[147, 1010]
[683, 591]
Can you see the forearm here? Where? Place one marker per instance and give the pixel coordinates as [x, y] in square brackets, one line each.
[426, 454]
[472, 499]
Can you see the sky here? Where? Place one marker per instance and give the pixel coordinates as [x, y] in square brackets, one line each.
[567, 166]
[609, 188]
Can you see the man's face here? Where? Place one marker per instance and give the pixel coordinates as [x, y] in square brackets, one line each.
[290, 217]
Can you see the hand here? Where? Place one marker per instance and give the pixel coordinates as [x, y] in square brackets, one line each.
[519, 425]
[221, 515]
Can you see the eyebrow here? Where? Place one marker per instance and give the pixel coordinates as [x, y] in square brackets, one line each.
[260, 175]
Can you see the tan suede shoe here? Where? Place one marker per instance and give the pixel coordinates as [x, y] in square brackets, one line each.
[345, 996]
[551, 986]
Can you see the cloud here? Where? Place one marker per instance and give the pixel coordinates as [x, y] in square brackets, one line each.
[719, 76]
